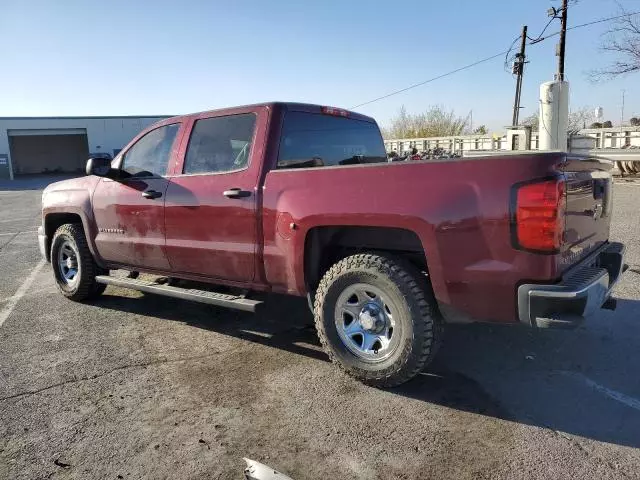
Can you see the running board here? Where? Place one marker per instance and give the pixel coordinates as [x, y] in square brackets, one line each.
[202, 296]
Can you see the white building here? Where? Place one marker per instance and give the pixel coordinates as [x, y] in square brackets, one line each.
[31, 145]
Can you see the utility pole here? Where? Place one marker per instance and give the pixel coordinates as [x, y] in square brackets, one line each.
[518, 68]
[563, 35]
[622, 110]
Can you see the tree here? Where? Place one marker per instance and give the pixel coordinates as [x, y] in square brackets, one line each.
[578, 119]
[435, 122]
[623, 41]
[531, 121]
[635, 121]
[481, 130]
[595, 125]
[607, 124]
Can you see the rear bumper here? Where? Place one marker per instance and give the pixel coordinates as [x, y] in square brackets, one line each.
[42, 243]
[581, 292]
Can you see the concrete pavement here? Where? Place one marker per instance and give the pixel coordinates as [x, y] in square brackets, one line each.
[138, 386]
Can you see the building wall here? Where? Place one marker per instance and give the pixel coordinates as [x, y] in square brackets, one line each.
[104, 134]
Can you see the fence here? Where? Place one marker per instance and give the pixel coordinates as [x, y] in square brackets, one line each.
[586, 139]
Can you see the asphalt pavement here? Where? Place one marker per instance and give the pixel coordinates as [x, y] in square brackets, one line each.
[139, 386]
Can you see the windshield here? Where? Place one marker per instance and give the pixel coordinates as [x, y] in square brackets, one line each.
[317, 140]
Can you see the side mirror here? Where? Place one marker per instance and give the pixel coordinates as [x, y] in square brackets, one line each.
[100, 166]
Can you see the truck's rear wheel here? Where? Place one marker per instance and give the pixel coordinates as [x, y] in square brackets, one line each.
[74, 268]
[374, 320]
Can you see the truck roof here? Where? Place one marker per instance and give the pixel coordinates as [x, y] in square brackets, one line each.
[287, 106]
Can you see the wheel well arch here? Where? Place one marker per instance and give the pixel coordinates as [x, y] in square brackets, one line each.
[53, 221]
[326, 245]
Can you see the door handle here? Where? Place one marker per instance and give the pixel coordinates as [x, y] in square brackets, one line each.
[151, 194]
[236, 193]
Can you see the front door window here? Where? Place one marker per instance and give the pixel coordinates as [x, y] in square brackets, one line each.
[149, 156]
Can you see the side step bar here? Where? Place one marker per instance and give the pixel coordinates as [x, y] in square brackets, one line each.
[202, 296]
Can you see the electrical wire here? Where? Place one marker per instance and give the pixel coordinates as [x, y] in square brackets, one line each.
[602, 20]
[415, 85]
[507, 59]
[430, 80]
[539, 37]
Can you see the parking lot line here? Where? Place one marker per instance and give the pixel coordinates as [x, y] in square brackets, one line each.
[8, 308]
[19, 219]
[620, 397]
[17, 233]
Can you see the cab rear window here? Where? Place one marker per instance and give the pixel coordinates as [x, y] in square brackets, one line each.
[317, 140]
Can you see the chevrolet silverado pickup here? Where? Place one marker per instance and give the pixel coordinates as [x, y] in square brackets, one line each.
[299, 199]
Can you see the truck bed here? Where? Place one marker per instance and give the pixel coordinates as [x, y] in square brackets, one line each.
[459, 208]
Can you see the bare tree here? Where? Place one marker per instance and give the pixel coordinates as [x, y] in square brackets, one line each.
[435, 122]
[578, 119]
[623, 41]
[532, 121]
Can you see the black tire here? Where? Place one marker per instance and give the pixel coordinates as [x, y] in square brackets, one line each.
[85, 286]
[410, 293]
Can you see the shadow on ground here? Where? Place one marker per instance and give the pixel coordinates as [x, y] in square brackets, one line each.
[524, 368]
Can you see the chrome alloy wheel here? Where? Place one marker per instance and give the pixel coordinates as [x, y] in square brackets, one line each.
[68, 263]
[365, 323]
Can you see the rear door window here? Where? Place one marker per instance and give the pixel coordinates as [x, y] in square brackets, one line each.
[220, 144]
[318, 140]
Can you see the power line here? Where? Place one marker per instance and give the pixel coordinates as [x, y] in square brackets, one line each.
[602, 20]
[430, 80]
[538, 40]
[506, 57]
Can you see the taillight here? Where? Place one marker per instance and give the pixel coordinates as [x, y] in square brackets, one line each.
[336, 112]
[539, 215]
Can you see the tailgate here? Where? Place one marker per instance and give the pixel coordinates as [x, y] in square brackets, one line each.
[589, 204]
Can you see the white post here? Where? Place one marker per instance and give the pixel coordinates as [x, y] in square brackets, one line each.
[554, 116]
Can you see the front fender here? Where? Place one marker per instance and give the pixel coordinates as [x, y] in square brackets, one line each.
[72, 197]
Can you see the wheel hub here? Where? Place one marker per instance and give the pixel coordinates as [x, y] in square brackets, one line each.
[68, 263]
[365, 322]
[372, 319]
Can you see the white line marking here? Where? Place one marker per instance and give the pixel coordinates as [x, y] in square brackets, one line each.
[8, 308]
[620, 397]
[17, 233]
[20, 219]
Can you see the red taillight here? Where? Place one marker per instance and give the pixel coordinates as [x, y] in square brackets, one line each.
[539, 215]
[337, 112]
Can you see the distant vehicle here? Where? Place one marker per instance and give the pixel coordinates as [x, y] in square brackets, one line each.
[300, 199]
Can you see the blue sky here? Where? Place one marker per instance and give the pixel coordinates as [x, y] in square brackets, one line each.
[129, 57]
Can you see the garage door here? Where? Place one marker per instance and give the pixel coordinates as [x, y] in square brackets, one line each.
[48, 153]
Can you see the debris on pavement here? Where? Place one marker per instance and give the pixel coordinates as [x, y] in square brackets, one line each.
[258, 471]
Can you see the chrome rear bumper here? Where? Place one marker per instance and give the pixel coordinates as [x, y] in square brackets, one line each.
[581, 292]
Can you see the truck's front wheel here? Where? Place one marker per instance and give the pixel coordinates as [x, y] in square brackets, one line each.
[374, 320]
[73, 265]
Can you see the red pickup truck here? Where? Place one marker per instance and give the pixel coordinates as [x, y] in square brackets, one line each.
[299, 199]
